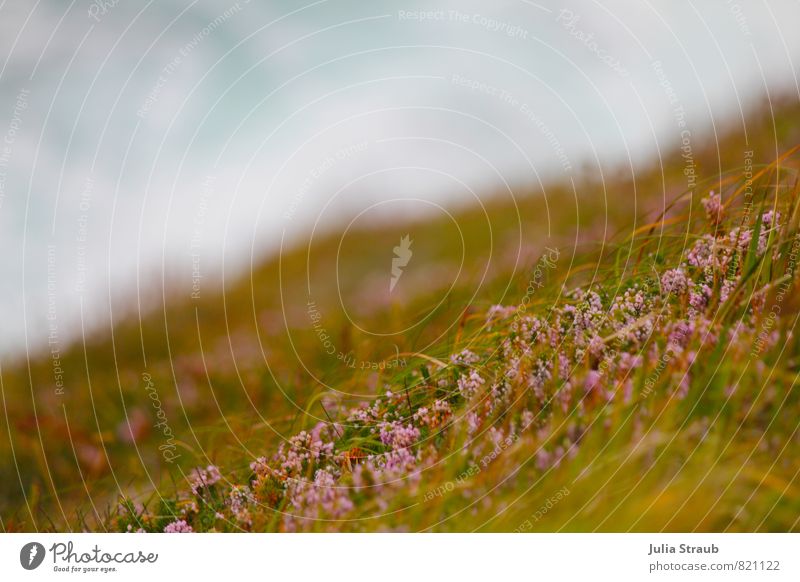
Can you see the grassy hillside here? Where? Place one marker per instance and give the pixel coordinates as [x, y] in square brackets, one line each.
[618, 354]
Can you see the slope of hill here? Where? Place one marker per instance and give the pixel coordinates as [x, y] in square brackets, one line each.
[611, 354]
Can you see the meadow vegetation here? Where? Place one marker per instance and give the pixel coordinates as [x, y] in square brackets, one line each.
[614, 353]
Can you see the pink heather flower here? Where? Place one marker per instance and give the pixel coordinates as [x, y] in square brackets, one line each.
[702, 253]
[564, 366]
[396, 469]
[422, 415]
[499, 395]
[630, 362]
[190, 507]
[295, 456]
[713, 207]
[498, 312]
[322, 499]
[626, 311]
[699, 296]
[728, 285]
[179, 526]
[597, 346]
[540, 374]
[464, 358]
[323, 431]
[587, 315]
[395, 464]
[681, 332]
[530, 328]
[473, 422]
[239, 498]
[527, 419]
[770, 219]
[365, 413]
[203, 478]
[558, 455]
[544, 460]
[740, 239]
[512, 368]
[469, 385]
[631, 304]
[259, 466]
[683, 387]
[674, 281]
[592, 381]
[627, 391]
[757, 300]
[564, 396]
[299, 452]
[762, 243]
[396, 436]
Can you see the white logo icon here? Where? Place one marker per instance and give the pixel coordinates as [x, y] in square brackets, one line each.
[31, 555]
[402, 256]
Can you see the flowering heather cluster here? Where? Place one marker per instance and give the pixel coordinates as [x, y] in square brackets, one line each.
[713, 207]
[178, 526]
[618, 346]
[203, 478]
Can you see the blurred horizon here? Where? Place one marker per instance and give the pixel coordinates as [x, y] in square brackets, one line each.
[144, 143]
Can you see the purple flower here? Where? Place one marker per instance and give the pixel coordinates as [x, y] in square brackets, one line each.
[321, 499]
[469, 385]
[498, 312]
[203, 478]
[740, 239]
[713, 207]
[597, 346]
[728, 285]
[464, 358]
[702, 253]
[179, 526]
[473, 422]
[674, 281]
[770, 219]
[630, 362]
[398, 436]
[592, 381]
[699, 296]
